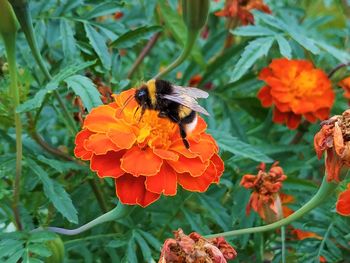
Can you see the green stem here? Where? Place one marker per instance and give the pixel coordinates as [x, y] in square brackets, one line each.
[25, 20]
[190, 41]
[119, 212]
[325, 190]
[283, 240]
[10, 46]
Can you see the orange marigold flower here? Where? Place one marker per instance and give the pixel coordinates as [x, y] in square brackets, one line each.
[295, 88]
[334, 138]
[265, 199]
[345, 85]
[195, 248]
[146, 156]
[343, 203]
[241, 9]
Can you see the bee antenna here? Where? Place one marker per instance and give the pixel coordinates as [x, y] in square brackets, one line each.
[125, 104]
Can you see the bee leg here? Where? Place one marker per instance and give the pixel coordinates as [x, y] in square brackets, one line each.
[143, 109]
[183, 135]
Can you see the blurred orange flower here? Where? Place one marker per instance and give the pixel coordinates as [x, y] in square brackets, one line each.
[343, 203]
[295, 88]
[265, 185]
[345, 85]
[241, 9]
[146, 156]
[195, 248]
[334, 138]
[301, 235]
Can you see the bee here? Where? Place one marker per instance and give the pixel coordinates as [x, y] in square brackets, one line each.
[176, 103]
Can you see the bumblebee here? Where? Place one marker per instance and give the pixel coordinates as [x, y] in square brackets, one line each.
[176, 103]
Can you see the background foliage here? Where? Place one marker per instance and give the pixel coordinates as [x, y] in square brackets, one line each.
[84, 40]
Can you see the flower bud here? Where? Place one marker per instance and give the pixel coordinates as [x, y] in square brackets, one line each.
[195, 13]
[56, 248]
[8, 24]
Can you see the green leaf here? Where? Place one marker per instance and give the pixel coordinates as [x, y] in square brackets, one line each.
[42, 236]
[132, 37]
[56, 193]
[39, 249]
[285, 49]
[234, 145]
[85, 89]
[341, 55]
[252, 52]
[154, 242]
[98, 42]
[15, 257]
[146, 251]
[303, 40]
[130, 252]
[252, 31]
[36, 102]
[59, 166]
[103, 9]
[69, 46]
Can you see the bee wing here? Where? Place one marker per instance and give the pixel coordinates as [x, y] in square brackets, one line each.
[187, 101]
[189, 91]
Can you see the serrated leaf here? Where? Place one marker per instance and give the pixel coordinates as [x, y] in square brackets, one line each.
[132, 37]
[56, 193]
[341, 55]
[234, 145]
[69, 46]
[59, 166]
[36, 102]
[42, 236]
[103, 9]
[39, 249]
[130, 252]
[302, 39]
[252, 52]
[284, 47]
[252, 31]
[98, 42]
[15, 257]
[85, 89]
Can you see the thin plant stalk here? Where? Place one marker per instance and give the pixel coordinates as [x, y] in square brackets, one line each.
[191, 40]
[9, 33]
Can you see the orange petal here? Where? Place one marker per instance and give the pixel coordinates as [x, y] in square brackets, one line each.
[204, 148]
[343, 203]
[166, 155]
[79, 150]
[194, 166]
[101, 119]
[219, 165]
[163, 182]
[333, 165]
[107, 165]
[100, 144]
[123, 137]
[179, 147]
[138, 161]
[265, 97]
[200, 183]
[132, 191]
[293, 121]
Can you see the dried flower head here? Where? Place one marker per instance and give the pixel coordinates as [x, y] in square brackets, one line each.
[343, 203]
[333, 138]
[265, 185]
[241, 10]
[295, 88]
[195, 248]
[146, 156]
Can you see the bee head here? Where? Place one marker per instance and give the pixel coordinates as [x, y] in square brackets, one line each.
[141, 95]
